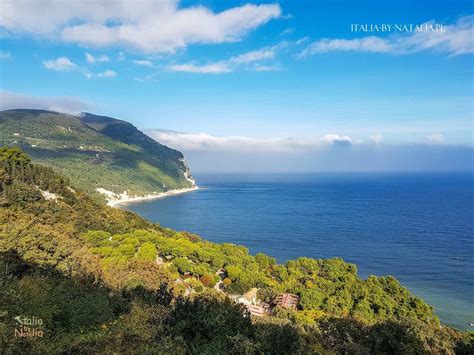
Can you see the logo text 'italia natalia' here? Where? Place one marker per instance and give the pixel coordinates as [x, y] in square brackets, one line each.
[29, 327]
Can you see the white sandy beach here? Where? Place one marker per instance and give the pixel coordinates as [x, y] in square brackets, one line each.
[114, 200]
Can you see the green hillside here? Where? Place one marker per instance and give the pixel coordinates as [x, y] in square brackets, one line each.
[96, 151]
[105, 281]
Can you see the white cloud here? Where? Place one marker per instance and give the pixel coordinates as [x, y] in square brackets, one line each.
[144, 63]
[103, 58]
[100, 59]
[147, 25]
[376, 138]
[120, 57]
[302, 40]
[456, 39]
[90, 58]
[229, 65]
[65, 64]
[253, 56]
[366, 44]
[5, 55]
[107, 74]
[287, 32]
[207, 142]
[259, 67]
[436, 138]
[150, 77]
[337, 139]
[209, 153]
[60, 64]
[214, 68]
[11, 100]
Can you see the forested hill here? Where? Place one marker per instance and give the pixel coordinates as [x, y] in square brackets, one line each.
[115, 154]
[105, 281]
[127, 133]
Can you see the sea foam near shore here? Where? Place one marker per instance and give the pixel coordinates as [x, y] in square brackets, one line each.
[114, 199]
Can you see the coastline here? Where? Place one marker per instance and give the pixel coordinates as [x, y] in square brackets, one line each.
[115, 200]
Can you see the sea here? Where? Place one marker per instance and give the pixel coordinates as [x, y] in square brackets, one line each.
[417, 227]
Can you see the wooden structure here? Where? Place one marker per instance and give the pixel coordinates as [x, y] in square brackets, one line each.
[257, 311]
[286, 300]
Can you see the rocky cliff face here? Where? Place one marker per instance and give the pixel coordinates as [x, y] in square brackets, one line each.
[187, 173]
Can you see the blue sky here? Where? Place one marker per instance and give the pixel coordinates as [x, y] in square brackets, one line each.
[267, 71]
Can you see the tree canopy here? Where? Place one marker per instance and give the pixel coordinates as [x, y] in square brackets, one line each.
[107, 281]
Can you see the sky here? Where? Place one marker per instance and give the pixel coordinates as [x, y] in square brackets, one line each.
[320, 83]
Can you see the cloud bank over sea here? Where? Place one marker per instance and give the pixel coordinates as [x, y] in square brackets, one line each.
[329, 153]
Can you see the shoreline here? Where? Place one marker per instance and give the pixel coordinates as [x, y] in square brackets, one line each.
[115, 200]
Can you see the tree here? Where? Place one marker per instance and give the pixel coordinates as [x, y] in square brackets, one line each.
[97, 238]
[195, 284]
[147, 251]
[183, 265]
[264, 261]
[208, 324]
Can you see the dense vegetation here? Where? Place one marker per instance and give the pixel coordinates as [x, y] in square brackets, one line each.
[115, 154]
[104, 280]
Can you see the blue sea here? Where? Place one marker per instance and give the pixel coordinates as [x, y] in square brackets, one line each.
[416, 227]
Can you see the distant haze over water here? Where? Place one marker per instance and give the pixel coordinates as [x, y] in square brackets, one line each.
[416, 227]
